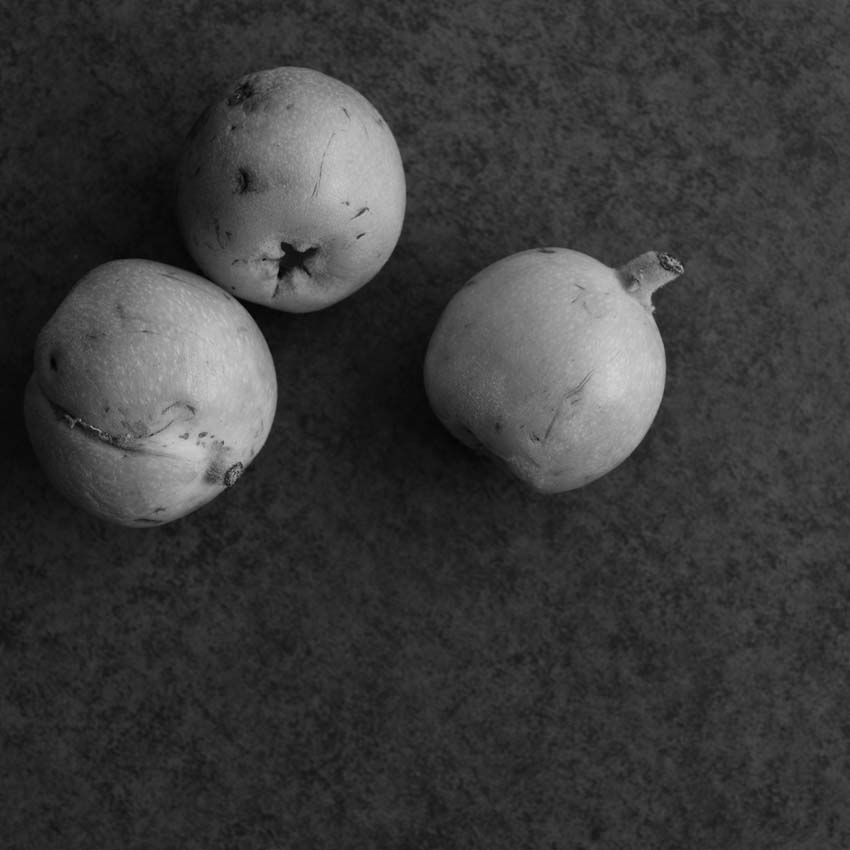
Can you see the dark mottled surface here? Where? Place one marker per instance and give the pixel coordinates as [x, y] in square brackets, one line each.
[375, 640]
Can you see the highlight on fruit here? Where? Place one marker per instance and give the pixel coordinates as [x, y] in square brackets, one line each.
[551, 363]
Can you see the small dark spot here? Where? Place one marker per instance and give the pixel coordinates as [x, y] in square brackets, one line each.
[158, 510]
[241, 93]
[360, 212]
[347, 113]
[247, 180]
[497, 426]
[54, 364]
[184, 436]
[202, 434]
[360, 236]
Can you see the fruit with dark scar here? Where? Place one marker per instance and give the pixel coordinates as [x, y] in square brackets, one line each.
[290, 190]
[551, 362]
[152, 390]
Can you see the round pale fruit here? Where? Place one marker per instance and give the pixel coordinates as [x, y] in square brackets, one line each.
[152, 390]
[290, 190]
[551, 362]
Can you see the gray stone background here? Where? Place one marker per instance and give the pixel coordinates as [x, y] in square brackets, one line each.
[377, 640]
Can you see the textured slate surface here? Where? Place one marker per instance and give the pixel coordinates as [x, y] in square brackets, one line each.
[376, 639]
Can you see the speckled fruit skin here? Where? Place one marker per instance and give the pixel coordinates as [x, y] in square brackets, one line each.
[546, 361]
[152, 390]
[290, 190]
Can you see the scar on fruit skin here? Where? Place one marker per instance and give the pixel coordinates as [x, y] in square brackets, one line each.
[571, 393]
[322, 165]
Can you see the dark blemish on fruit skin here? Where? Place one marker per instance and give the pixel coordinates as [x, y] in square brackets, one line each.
[244, 91]
[243, 181]
[54, 365]
[360, 236]
[347, 113]
[360, 212]
[184, 436]
[202, 434]
[247, 181]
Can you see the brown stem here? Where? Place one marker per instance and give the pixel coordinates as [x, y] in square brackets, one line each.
[648, 272]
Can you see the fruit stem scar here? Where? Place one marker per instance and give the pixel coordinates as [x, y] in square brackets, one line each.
[643, 275]
[233, 474]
